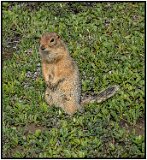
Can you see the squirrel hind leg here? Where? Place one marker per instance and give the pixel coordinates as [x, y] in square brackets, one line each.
[70, 107]
[48, 98]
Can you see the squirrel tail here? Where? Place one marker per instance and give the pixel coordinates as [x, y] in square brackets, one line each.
[102, 96]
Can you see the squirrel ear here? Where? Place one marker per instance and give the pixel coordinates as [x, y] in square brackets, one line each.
[58, 36]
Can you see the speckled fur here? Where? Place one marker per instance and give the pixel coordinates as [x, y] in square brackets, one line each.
[61, 75]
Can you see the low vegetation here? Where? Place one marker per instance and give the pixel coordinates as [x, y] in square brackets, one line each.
[107, 41]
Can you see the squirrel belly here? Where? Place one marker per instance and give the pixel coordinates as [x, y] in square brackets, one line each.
[61, 75]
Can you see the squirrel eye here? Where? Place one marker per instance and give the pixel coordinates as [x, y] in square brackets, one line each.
[52, 40]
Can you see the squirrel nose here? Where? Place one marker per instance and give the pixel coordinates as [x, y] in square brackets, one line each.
[42, 47]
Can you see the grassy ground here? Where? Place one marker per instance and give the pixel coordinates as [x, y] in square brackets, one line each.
[107, 41]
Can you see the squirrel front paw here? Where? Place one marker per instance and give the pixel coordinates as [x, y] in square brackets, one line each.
[53, 85]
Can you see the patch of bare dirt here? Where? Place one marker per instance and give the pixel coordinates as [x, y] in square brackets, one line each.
[7, 55]
[30, 6]
[31, 128]
[10, 46]
[139, 127]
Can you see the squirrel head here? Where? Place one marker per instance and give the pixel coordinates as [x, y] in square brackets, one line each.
[49, 42]
[51, 46]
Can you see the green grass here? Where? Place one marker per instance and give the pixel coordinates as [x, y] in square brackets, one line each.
[107, 41]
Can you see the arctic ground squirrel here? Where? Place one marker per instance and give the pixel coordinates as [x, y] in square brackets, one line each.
[61, 75]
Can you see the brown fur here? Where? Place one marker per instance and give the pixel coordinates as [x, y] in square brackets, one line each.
[61, 75]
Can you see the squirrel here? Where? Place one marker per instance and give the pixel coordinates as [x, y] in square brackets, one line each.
[62, 78]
